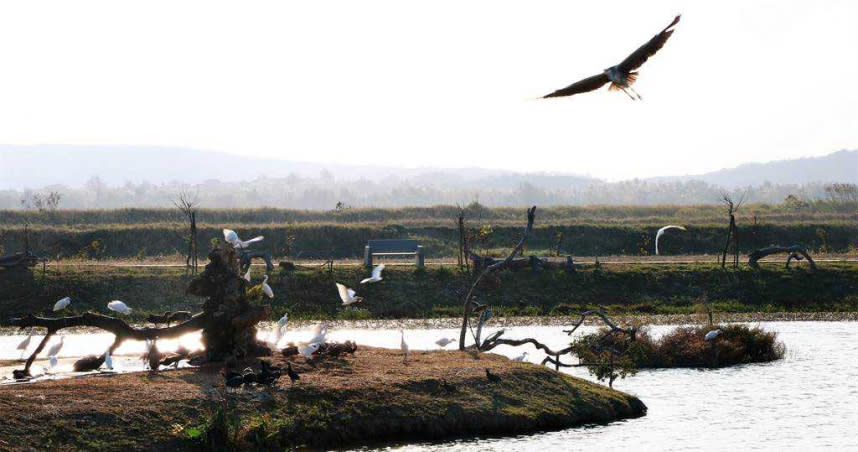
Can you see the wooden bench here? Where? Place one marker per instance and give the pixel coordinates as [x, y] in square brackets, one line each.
[393, 247]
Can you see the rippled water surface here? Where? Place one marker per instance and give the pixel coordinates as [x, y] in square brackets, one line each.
[807, 401]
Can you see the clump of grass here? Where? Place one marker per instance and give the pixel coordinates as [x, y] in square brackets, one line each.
[686, 347]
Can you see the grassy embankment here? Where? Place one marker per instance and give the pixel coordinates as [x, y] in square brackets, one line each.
[365, 398]
[587, 231]
[407, 292]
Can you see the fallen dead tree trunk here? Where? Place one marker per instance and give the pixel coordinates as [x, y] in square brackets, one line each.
[532, 262]
[796, 252]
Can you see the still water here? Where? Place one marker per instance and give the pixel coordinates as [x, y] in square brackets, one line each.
[809, 400]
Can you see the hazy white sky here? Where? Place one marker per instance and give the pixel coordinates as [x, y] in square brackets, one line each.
[435, 83]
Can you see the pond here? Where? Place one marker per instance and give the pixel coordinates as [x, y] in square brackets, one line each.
[807, 400]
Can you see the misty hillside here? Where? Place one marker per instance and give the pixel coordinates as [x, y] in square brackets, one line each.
[840, 166]
[112, 177]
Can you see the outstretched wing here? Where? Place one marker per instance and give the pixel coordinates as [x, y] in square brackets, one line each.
[376, 272]
[344, 293]
[581, 86]
[639, 56]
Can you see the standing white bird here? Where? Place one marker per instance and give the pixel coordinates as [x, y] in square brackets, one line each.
[348, 295]
[247, 274]
[119, 307]
[520, 357]
[108, 361]
[444, 341]
[403, 346]
[62, 304]
[712, 335]
[279, 330]
[266, 288]
[54, 350]
[230, 236]
[24, 344]
[661, 232]
[376, 275]
[309, 349]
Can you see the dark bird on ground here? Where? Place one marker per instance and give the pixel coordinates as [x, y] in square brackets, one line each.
[292, 374]
[152, 356]
[492, 377]
[623, 75]
[234, 381]
[88, 363]
[249, 376]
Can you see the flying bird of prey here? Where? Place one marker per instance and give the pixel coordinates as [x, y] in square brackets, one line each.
[623, 75]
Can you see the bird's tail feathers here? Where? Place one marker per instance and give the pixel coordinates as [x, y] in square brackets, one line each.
[675, 21]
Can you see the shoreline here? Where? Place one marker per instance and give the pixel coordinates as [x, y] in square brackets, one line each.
[501, 322]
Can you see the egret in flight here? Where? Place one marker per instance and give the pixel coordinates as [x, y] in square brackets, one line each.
[376, 275]
[308, 351]
[319, 333]
[266, 288]
[230, 236]
[62, 304]
[119, 307]
[623, 75]
[444, 341]
[661, 233]
[348, 295]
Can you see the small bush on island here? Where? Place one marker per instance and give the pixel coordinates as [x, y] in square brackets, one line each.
[682, 347]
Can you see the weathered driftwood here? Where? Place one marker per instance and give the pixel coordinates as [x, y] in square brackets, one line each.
[796, 252]
[246, 256]
[467, 306]
[533, 262]
[632, 332]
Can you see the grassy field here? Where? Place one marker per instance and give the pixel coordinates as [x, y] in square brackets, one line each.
[408, 292]
[590, 231]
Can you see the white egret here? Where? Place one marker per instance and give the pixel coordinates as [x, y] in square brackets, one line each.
[319, 333]
[376, 275]
[712, 335]
[282, 322]
[348, 295]
[54, 350]
[444, 341]
[520, 357]
[230, 236]
[247, 274]
[119, 307]
[308, 351]
[661, 232]
[108, 361]
[403, 346]
[24, 344]
[62, 304]
[266, 288]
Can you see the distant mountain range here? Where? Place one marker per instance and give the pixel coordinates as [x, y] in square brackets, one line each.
[840, 166]
[72, 166]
